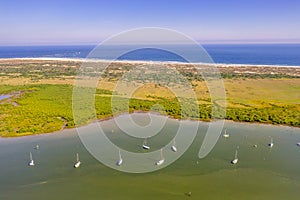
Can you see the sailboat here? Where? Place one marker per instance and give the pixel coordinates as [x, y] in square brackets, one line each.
[31, 162]
[235, 160]
[271, 144]
[173, 147]
[226, 135]
[145, 146]
[298, 144]
[162, 160]
[37, 147]
[120, 161]
[77, 164]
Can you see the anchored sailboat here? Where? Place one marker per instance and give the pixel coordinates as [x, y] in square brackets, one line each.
[145, 146]
[120, 161]
[31, 162]
[162, 160]
[235, 160]
[173, 147]
[226, 135]
[271, 144]
[77, 164]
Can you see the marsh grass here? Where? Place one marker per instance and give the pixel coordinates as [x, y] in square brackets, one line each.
[42, 95]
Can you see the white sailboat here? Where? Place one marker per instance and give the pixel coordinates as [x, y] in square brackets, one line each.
[78, 163]
[162, 160]
[145, 146]
[235, 160]
[37, 147]
[271, 144]
[298, 144]
[31, 162]
[120, 161]
[226, 135]
[173, 147]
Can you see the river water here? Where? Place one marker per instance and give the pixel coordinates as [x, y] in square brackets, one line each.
[261, 173]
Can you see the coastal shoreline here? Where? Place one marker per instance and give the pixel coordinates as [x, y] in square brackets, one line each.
[143, 62]
[152, 113]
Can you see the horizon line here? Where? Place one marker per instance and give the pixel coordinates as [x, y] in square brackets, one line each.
[175, 43]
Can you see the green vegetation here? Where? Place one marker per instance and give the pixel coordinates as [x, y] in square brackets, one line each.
[39, 109]
[46, 108]
[42, 94]
[38, 70]
[286, 115]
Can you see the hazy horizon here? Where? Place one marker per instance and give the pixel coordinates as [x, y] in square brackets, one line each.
[56, 22]
[229, 42]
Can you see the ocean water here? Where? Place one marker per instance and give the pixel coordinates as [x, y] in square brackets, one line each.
[257, 54]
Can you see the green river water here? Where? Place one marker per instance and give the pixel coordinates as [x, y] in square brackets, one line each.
[261, 173]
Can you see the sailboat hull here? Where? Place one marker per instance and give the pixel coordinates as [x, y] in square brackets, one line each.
[271, 145]
[160, 162]
[119, 163]
[146, 147]
[226, 136]
[77, 164]
[173, 148]
[235, 161]
[31, 163]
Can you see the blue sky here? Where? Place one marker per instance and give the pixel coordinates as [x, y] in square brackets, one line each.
[27, 22]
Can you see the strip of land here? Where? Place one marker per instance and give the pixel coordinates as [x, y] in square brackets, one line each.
[42, 89]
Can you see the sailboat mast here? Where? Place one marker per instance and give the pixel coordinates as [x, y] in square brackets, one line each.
[77, 157]
[120, 155]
